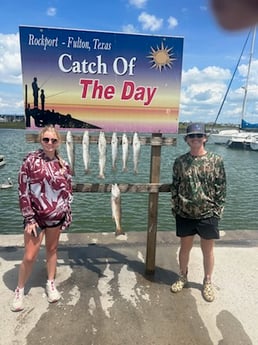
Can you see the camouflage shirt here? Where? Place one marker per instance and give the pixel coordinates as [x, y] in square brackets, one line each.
[199, 186]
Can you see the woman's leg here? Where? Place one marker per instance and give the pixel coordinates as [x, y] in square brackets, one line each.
[32, 246]
[52, 238]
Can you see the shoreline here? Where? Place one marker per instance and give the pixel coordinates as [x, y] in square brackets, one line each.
[231, 237]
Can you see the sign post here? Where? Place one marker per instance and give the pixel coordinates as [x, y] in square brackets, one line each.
[153, 206]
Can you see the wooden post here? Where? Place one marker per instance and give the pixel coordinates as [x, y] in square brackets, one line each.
[27, 115]
[153, 205]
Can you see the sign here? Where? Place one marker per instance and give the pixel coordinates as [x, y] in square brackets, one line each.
[101, 80]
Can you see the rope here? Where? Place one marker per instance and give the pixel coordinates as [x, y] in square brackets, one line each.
[229, 85]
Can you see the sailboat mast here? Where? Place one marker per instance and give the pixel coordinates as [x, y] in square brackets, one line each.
[248, 73]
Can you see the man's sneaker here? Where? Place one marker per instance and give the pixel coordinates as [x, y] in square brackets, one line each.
[52, 293]
[179, 284]
[207, 291]
[18, 300]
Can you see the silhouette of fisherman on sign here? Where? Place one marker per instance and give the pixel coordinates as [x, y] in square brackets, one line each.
[35, 90]
[42, 98]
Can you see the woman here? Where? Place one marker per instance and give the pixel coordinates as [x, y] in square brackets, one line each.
[198, 196]
[45, 195]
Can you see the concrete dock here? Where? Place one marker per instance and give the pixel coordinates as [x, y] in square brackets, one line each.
[107, 298]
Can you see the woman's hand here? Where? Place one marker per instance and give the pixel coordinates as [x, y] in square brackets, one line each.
[31, 229]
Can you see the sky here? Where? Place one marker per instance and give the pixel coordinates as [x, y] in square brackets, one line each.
[210, 53]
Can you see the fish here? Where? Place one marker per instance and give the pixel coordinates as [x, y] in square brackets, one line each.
[114, 150]
[136, 152]
[125, 152]
[116, 208]
[86, 151]
[102, 147]
[70, 149]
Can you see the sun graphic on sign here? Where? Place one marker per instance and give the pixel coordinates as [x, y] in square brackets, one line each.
[162, 57]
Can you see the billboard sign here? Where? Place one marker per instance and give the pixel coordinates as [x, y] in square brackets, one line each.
[101, 80]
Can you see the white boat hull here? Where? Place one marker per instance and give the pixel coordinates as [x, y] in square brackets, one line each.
[226, 137]
[249, 142]
[223, 136]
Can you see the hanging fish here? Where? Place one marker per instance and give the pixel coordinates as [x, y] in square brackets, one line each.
[136, 152]
[116, 208]
[125, 152]
[86, 151]
[102, 146]
[70, 149]
[114, 150]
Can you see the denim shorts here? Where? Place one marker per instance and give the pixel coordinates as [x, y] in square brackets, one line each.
[206, 228]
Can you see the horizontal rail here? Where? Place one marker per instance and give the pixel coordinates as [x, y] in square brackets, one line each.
[154, 141]
[124, 187]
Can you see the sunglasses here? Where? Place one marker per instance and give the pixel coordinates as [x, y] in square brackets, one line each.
[47, 140]
[199, 136]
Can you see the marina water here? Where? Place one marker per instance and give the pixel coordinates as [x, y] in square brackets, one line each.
[92, 211]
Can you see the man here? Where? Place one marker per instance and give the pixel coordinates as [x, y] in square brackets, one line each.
[198, 193]
[35, 90]
[235, 14]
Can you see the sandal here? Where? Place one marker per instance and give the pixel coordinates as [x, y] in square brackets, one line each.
[207, 291]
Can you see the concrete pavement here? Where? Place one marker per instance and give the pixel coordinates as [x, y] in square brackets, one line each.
[107, 299]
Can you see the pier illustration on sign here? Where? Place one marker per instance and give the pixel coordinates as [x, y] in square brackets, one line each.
[43, 116]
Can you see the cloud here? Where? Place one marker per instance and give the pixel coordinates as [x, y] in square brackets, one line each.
[210, 73]
[138, 3]
[243, 70]
[203, 8]
[203, 91]
[172, 22]
[11, 97]
[11, 102]
[150, 22]
[129, 28]
[51, 11]
[10, 62]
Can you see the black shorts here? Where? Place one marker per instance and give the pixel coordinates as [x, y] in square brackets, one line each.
[54, 225]
[206, 228]
[42, 227]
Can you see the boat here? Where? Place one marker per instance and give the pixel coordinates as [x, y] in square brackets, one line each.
[244, 143]
[224, 136]
[243, 137]
[2, 161]
[6, 185]
[254, 144]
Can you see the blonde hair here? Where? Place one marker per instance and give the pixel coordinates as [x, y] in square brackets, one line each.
[51, 128]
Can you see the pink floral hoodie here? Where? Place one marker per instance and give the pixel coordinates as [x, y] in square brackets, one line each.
[45, 190]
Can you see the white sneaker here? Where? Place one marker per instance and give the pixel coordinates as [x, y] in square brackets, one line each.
[52, 292]
[18, 300]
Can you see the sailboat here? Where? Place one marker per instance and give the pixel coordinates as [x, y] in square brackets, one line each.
[244, 137]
